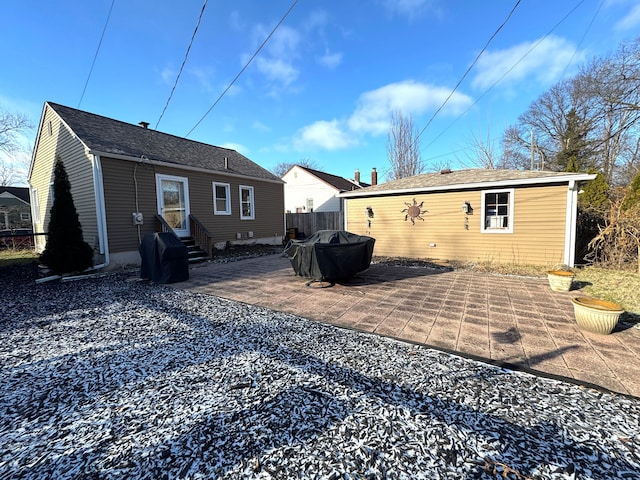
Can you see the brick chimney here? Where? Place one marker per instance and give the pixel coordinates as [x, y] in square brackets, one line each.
[357, 176]
[374, 176]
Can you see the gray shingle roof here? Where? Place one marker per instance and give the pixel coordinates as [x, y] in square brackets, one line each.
[468, 178]
[20, 192]
[340, 183]
[107, 135]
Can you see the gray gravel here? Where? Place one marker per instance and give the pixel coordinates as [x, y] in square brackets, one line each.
[114, 378]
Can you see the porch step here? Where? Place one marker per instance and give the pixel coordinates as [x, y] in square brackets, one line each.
[194, 253]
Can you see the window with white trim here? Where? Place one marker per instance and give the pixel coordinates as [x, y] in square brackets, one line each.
[309, 205]
[497, 211]
[247, 208]
[25, 216]
[221, 199]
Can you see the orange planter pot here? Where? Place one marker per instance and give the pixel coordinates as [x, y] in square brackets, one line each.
[596, 316]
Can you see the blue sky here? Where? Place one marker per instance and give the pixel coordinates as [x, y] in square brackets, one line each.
[324, 85]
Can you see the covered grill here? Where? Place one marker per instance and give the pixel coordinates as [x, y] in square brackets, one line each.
[330, 254]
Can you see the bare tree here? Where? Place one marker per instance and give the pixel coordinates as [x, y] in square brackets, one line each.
[516, 149]
[12, 152]
[283, 167]
[592, 118]
[484, 153]
[403, 148]
[613, 83]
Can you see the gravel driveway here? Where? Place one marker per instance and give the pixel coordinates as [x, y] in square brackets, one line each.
[115, 378]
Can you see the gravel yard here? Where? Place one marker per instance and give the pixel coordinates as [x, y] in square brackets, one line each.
[110, 377]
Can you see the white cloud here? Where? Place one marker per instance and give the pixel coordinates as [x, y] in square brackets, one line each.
[276, 60]
[235, 21]
[631, 20]
[541, 60]
[258, 125]
[327, 135]
[277, 70]
[375, 107]
[168, 75]
[203, 76]
[411, 8]
[330, 60]
[316, 20]
[237, 147]
[373, 114]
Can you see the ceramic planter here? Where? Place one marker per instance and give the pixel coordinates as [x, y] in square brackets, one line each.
[596, 316]
[560, 280]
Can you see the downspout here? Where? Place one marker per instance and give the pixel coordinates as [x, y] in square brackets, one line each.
[571, 224]
[343, 207]
[98, 188]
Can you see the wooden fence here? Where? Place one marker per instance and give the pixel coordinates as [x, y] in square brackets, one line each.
[309, 223]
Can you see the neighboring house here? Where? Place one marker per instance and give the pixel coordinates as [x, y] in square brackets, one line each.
[123, 175]
[502, 216]
[15, 211]
[307, 190]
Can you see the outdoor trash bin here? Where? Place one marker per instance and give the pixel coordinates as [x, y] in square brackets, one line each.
[164, 258]
[330, 254]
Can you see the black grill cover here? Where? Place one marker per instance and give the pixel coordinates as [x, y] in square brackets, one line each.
[330, 254]
[164, 258]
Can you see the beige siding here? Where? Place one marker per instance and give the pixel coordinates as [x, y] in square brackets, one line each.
[447, 233]
[61, 142]
[120, 203]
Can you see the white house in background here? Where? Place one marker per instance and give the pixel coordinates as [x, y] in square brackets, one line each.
[307, 190]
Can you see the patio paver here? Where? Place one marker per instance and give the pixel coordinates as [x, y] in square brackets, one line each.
[517, 320]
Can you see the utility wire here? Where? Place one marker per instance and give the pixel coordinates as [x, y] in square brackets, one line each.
[593, 19]
[244, 68]
[468, 70]
[96, 54]
[535, 45]
[183, 63]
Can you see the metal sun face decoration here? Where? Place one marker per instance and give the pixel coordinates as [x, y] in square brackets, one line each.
[413, 211]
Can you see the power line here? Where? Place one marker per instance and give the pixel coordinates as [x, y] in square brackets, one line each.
[183, 63]
[244, 68]
[468, 70]
[593, 19]
[96, 54]
[535, 45]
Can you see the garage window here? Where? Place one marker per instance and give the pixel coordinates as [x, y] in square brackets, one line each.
[497, 211]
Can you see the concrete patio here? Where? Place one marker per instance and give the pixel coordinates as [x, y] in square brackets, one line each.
[516, 320]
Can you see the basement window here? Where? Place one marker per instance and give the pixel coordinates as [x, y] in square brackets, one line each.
[497, 211]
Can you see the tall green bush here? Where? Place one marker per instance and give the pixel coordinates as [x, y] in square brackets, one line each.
[66, 250]
[632, 197]
[595, 196]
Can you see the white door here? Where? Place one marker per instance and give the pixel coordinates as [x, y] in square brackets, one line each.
[173, 202]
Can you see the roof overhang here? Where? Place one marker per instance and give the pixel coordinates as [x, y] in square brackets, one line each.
[583, 177]
[179, 166]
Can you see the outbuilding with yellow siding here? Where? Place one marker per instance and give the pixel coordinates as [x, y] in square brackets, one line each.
[477, 215]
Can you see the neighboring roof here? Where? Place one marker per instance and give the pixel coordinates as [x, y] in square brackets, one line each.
[106, 136]
[468, 179]
[339, 183]
[21, 193]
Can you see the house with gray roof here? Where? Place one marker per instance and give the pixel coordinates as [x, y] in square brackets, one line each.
[473, 215]
[308, 190]
[128, 180]
[15, 211]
